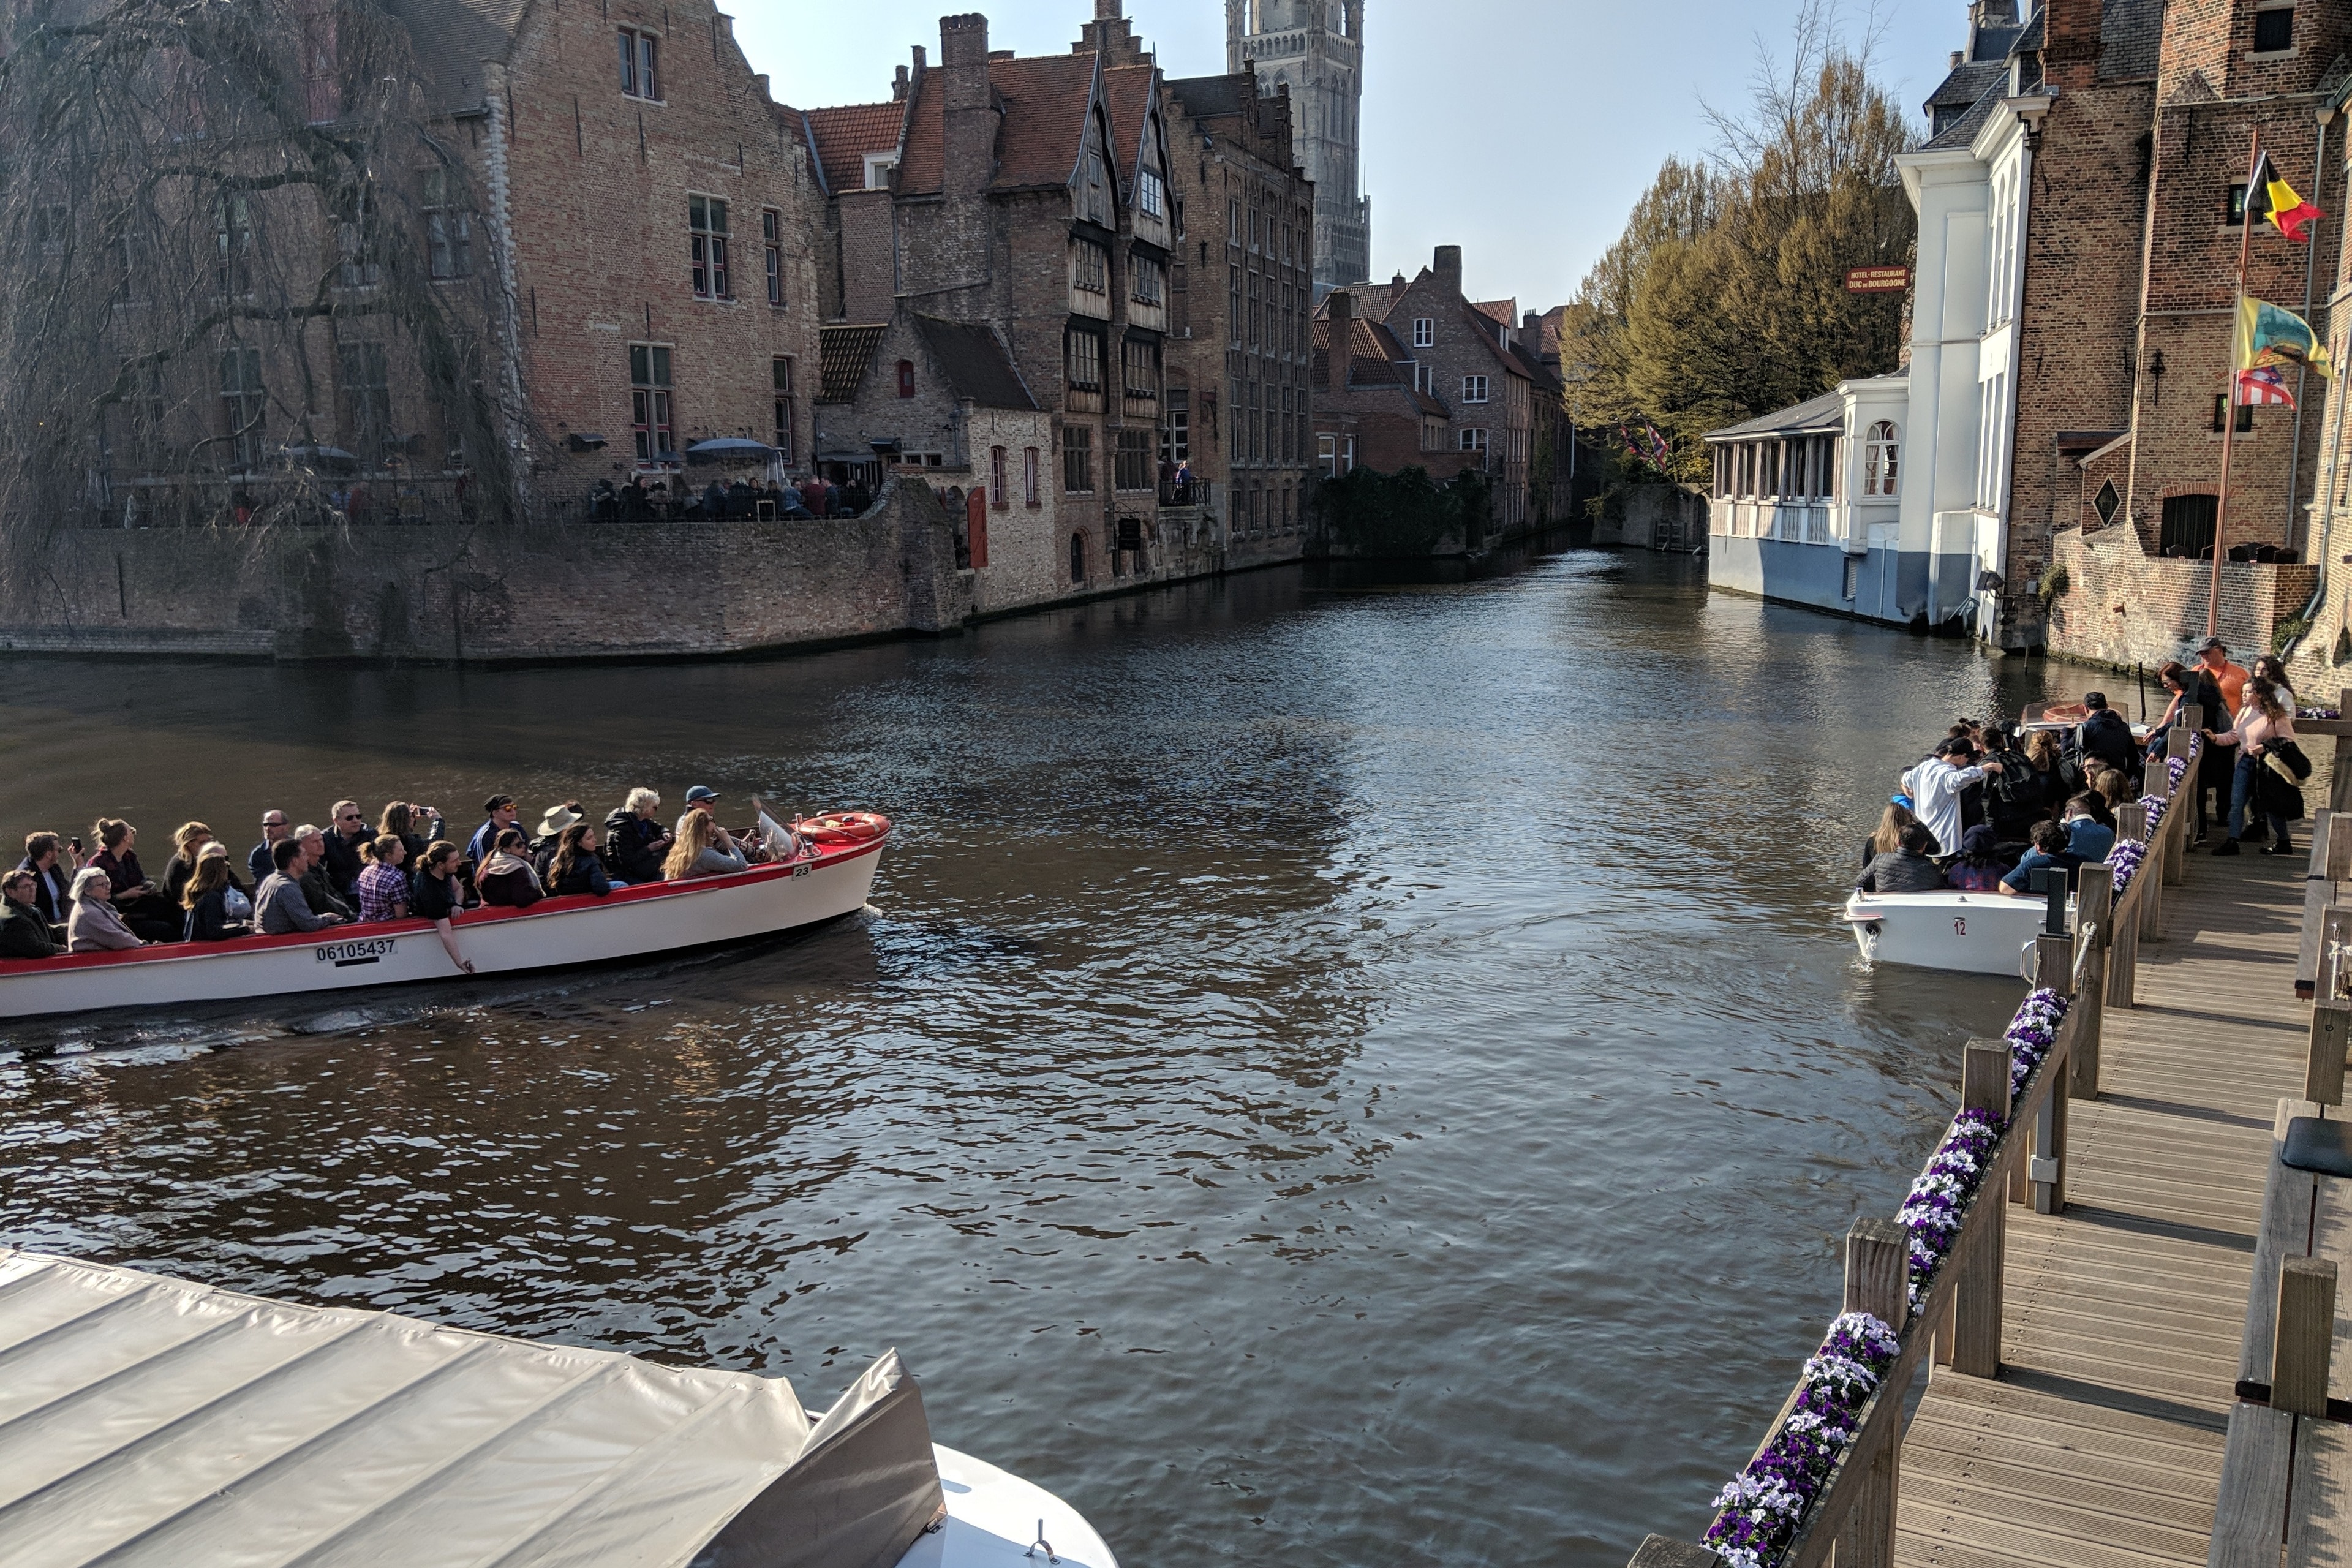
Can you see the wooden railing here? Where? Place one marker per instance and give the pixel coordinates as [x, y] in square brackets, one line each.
[1958, 1324]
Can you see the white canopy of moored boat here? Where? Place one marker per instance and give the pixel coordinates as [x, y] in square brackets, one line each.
[147, 1420]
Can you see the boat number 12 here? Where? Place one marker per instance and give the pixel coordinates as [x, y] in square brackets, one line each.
[1959, 925]
[345, 954]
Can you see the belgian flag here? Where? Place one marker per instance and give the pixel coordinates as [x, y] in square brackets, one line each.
[2271, 199]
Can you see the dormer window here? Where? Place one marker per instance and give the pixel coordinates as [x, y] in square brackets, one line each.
[1148, 197]
[2274, 28]
[877, 170]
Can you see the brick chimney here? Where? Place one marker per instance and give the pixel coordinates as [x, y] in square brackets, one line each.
[2070, 47]
[1340, 365]
[1448, 267]
[971, 123]
[1110, 34]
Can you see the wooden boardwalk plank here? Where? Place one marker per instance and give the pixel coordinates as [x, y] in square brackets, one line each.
[2100, 1444]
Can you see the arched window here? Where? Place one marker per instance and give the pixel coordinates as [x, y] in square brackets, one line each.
[906, 378]
[1881, 456]
[1078, 558]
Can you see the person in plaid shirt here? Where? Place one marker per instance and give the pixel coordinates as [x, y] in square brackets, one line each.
[382, 885]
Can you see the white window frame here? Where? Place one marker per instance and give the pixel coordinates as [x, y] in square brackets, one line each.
[1476, 438]
[1474, 389]
[878, 166]
[1881, 460]
[1424, 332]
[1148, 197]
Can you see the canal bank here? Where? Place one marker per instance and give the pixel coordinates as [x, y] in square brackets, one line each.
[1304, 1012]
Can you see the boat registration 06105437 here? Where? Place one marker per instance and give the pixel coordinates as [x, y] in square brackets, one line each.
[344, 954]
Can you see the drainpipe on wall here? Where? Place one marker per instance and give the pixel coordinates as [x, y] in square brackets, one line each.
[501, 216]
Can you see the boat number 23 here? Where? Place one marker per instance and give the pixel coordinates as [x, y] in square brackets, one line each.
[1959, 925]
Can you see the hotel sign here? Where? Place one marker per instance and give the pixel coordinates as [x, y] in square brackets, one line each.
[1877, 280]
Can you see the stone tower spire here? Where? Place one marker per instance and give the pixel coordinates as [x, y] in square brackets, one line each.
[1317, 49]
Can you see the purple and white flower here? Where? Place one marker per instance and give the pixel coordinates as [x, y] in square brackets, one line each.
[1759, 1513]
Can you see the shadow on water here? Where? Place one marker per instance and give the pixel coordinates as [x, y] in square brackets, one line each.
[1301, 1017]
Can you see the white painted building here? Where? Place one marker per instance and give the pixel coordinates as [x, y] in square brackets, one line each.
[1806, 503]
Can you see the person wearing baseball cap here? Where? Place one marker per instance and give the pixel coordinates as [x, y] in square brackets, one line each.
[1936, 785]
[702, 798]
[2214, 654]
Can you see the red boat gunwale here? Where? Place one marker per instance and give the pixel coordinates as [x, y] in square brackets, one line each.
[357, 931]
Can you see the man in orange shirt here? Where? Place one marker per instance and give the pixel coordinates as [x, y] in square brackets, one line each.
[2214, 654]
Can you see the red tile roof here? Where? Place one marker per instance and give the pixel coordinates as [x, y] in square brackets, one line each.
[1128, 90]
[1504, 310]
[840, 138]
[1043, 103]
[844, 355]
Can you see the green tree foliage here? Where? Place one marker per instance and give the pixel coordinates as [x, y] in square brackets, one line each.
[1725, 297]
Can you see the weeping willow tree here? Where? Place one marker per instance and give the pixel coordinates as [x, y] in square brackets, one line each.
[247, 282]
[1725, 297]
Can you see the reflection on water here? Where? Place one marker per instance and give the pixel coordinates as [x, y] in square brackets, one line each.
[1347, 1070]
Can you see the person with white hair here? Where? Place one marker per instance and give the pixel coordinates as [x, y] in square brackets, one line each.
[94, 926]
[635, 841]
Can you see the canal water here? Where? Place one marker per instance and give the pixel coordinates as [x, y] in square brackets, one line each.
[1338, 1070]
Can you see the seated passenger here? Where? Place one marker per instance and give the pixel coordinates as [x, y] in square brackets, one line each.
[2088, 839]
[501, 810]
[23, 932]
[1979, 870]
[703, 849]
[258, 861]
[281, 907]
[95, 927]
[318, 889]
[635, 840]
[416, 827]
[1908, 869]
[383, 886]
[206, 900]
[2049, 850]
[575, 869]
[53, 863]
[186, 845]
[235, 900]
[139, 903]
[440, 894]
[506, 879]
[550, 833]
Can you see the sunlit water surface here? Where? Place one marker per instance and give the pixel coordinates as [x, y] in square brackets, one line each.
[1338, 1071]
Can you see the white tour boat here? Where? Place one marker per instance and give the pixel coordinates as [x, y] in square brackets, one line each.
[1980, 933]
[152, 1421]
[828, 873]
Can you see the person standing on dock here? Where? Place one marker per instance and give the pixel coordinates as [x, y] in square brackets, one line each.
[1935, 786]
[2213, 655]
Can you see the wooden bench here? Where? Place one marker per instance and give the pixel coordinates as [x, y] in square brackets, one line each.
[2286, 1476]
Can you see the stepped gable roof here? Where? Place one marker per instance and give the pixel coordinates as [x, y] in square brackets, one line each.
[1826, 412]
[452, 38]
[973, 359]
[1041, 102]
[842, 355]
[2130, 34]
[840, 138]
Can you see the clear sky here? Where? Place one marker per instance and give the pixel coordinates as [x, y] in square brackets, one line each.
[1520, 129]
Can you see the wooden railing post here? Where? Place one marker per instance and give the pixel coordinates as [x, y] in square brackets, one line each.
[2331, 1034]
[2339, 786]
[1976, 1311]
[1877, 1269]
[2122, 973]
[2094, 905]
[2306, 1334]
[2178, 743]
[2042, 1180]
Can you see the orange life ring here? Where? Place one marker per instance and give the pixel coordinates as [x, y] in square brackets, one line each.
[844, 828]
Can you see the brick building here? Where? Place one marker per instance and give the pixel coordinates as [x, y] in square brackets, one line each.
[1493, 389]
[1370, 408]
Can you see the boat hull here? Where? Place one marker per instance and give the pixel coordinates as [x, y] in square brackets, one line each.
[1976, 934]
[632, 923]
[994, 1517]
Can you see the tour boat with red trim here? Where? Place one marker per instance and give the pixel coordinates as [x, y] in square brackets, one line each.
[828, 873]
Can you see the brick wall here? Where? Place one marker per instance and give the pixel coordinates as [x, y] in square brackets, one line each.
[2123, 606]
[454, 592]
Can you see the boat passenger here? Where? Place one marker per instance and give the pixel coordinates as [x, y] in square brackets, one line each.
[53, 863]
[1888, 838]
[382, 887]
[2015, 800]
[186, 845]
[2088, 840]
[700, 801]
[2049, 850]
[1935, 786]
[417, 827]
[317, 891]
[238, 903]
[95, 926]
[502, 809]
[703, 849]
[2188, 685]
[1907, 870]
[634, 841]
[138, 903]
[23, 932]
[1978, 869]
[441, 896]
[346, 833]
[506, 879]
[280, 908]
[259, 861]
[2047, 754]
[575, 869]
[552, 824]
[2105, 736]
[205, 899]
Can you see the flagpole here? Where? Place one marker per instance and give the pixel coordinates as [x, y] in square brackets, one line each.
[2230, 397]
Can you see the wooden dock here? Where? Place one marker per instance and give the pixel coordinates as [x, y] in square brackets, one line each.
[2101, 1441]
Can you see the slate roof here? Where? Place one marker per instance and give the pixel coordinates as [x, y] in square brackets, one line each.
[1961, 132]
[2130, 31]
[973, 359]
[1043, 100]
[1826, 412]
[451, 39]
[840, 138]
[1965, 84]
[843, 353]
[1211, 97]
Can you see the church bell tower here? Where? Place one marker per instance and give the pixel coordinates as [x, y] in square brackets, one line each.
[1317, 47]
